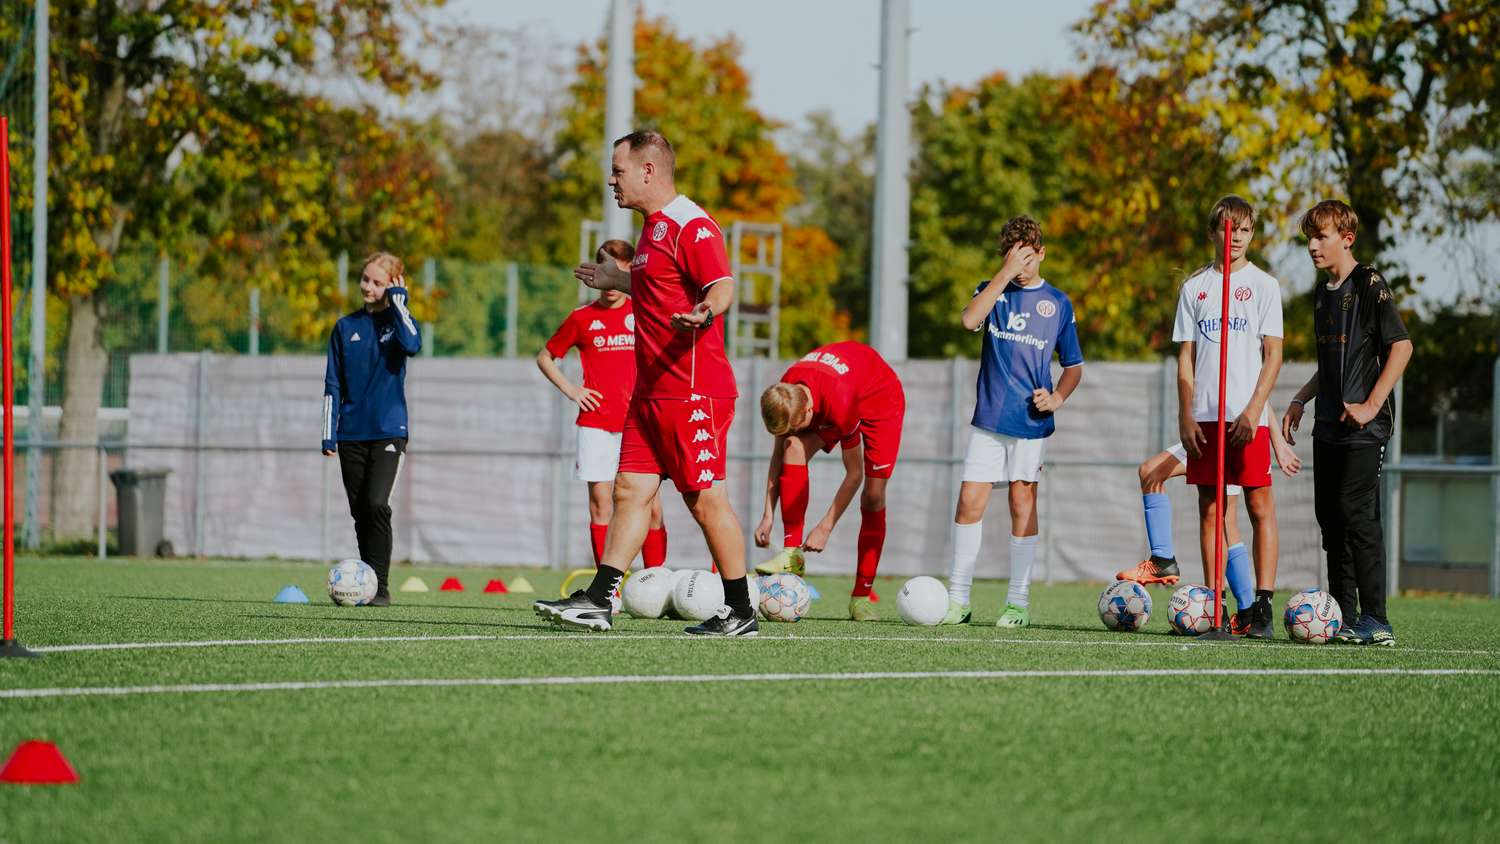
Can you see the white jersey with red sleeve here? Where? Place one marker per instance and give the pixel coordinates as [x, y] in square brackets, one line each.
[680, 254]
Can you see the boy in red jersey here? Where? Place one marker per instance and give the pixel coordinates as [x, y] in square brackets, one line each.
[840, 394]
[603, 331]
[678, 422]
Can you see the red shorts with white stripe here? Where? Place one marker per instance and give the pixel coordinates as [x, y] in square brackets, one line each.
[681, 439]
[1247, 465]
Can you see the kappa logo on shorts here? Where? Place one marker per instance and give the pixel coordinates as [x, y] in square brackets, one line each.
[659, 231]
[596, 325]
[701, 436]
[1045, 309]
[704, 455]
[698, 416]
[705, 476]
[695, 397]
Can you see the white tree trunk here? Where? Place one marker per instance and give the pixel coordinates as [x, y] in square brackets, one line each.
[75, 471]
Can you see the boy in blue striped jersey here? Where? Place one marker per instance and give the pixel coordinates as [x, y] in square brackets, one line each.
[364, 406]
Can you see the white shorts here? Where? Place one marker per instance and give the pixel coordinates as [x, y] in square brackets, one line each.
[1180, 455]
[598, 455]
[997, 459]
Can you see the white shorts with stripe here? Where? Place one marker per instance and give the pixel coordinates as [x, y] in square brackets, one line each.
[997, 458]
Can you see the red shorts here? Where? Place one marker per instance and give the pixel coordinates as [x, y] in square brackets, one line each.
[678, 439]
[1248, 465]
[880, 431]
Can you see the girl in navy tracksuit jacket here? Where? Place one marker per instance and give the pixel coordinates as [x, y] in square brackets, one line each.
[364, 406]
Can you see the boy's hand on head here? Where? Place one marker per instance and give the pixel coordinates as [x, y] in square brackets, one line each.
[1046, 401]
[1358, 415]
[1015, 261]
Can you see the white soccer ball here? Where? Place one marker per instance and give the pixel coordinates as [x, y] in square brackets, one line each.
[1191, 610]
[1125, 606]
[1312, 616]
[647, 593]
[753, 582]
[922, 601]
[697, 595]
[352, 583]
[784, 597]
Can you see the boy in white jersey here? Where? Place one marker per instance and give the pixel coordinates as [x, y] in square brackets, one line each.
[1254, 337]
[1024, 321]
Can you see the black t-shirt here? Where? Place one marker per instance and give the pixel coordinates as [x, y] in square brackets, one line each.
[1356, 323]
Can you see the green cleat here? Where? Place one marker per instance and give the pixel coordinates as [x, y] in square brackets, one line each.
[861, 608]
[790, 559]
[1014, 616]
[957, 614]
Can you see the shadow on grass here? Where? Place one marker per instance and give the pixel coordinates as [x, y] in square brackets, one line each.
[370, 619]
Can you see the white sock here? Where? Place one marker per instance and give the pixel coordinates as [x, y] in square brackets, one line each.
[966, 539]
[1022, 555]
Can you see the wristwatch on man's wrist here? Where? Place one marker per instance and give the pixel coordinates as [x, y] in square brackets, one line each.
[710, 320]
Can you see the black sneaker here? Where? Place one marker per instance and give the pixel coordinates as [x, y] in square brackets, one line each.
[381, 599]
[1381, 634]
[726, 623]
[1260, 621]
[576, 610]
[1350, 634]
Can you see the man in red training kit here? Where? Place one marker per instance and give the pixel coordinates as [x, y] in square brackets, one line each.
[603, 331]
[678, 423]
[840, 394]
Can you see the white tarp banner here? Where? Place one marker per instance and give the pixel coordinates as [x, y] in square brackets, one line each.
[488, 474]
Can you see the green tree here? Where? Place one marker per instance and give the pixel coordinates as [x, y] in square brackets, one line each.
[836, 177]
[188, 122]
[727, 161]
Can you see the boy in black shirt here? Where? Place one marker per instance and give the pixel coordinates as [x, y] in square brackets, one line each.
[1362, 351]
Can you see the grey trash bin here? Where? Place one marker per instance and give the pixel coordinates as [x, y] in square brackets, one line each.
[140, 500]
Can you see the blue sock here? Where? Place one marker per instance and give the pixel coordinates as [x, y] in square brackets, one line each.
[1159, 524]
[1241, 575]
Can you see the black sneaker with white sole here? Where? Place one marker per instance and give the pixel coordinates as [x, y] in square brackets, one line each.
[1261, 626]
[576, 610]
[726, 623]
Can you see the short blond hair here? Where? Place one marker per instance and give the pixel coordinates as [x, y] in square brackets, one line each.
[1230, 207]
[388, 262]
[1330, 212]
[780, 404]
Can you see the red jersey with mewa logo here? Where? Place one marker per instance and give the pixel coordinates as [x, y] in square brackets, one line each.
[851, 386]
[680, 254]
[605, 338]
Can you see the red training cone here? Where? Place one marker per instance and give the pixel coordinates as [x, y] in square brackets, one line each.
[38, 763]
[451, 585]
[496, 585]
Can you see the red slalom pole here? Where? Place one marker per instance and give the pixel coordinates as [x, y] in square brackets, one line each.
[1219, 434]
[8, 644]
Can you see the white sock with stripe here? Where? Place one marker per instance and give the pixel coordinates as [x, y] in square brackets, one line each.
[966, 540]
[1022, 555]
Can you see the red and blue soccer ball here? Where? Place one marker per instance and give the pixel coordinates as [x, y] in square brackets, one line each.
[784, 597]
[1125, 606]
[1191, 610]
[1312, 616]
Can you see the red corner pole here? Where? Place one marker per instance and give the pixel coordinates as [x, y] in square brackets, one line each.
[8, 645]
[1219, 435]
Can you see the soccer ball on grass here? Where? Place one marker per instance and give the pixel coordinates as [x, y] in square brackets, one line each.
[922, 601]
[352, 583]
[648, 592]
[783, 597]
[697, 594]
[1312, 616]
[1191, 610]
[1125, 606]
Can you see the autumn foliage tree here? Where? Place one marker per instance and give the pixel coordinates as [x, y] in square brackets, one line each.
[189, 121]
[727, 161]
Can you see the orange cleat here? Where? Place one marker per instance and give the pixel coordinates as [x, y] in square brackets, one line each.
[1153, 570]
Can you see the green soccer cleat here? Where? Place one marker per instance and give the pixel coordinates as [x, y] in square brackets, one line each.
[861, 608]
[790, 559]
[957, 614]
[1014, 616]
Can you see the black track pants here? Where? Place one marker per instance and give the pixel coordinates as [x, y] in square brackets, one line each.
[370, 469]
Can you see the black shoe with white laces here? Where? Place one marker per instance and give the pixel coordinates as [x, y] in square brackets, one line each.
[576, 610]
[726, 623]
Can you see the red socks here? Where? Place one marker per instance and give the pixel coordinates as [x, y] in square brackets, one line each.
[654, 552]
[596, 539]
[793, 502]
[871, 541]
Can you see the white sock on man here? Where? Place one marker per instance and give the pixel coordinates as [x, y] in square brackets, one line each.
[1022, 555]
[966, 539]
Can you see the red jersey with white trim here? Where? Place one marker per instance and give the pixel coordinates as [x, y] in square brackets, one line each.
[680, 253]
[605, 338]
[850, 383]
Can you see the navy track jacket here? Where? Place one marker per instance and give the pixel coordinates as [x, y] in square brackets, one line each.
[364, 391]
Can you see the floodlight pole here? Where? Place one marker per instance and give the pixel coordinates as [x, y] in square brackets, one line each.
[619, 108]
[36, 371]
[890, 246]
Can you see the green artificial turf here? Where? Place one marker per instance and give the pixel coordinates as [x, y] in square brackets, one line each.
[1148, 756]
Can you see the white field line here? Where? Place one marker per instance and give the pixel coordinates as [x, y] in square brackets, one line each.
[224, 643]
[639, 679]
[1180, 644]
